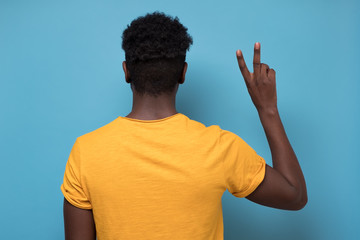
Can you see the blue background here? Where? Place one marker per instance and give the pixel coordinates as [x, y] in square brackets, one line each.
[61, 77]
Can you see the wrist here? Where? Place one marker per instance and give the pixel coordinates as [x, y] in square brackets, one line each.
[268, 112]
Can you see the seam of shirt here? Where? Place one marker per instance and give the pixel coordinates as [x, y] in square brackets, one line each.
[154, 121]
[81, 183]
[222, 160]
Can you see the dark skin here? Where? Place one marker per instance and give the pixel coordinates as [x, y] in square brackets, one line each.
[283, 186]
[78, 223]
[150, 108]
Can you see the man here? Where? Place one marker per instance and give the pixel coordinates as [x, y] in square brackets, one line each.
[157, 174]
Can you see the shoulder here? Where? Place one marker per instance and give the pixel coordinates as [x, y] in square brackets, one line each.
[98, 134]
[215, 129]
[202, 127]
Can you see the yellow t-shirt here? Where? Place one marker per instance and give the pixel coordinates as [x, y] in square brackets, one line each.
[159, 179]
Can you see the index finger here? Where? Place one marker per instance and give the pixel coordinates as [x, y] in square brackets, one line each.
[243, 68]
[256, 61]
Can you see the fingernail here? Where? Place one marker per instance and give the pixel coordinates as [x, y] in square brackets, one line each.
[257, 45]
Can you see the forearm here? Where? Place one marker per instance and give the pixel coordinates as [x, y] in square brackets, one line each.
[283, 157]
[284, 184]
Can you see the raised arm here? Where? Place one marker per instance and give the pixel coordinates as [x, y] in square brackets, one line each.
[284, 184]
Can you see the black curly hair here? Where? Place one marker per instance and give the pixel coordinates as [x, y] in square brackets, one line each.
[155, 48]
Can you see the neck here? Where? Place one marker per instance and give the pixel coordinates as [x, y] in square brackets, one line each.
[146, 107]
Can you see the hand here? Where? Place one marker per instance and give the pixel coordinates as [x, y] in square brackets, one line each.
[261, 83]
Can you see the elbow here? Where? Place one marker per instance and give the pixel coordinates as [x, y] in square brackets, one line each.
[303, 201]
[301, 204]
[299, 201]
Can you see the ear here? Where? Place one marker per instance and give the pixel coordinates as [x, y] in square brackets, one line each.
[126, 71]
[182, 79]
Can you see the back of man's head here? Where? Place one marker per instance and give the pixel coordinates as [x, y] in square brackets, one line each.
[155, 48]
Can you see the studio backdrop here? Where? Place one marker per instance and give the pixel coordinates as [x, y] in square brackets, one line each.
[61, 77]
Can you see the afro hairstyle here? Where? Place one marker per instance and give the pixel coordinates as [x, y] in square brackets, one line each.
[155, 48]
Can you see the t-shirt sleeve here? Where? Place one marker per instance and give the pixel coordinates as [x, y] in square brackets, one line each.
[244, 169]
[72, 187]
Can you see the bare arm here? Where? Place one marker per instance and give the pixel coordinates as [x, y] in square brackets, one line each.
[78, 223]
[284, 184]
